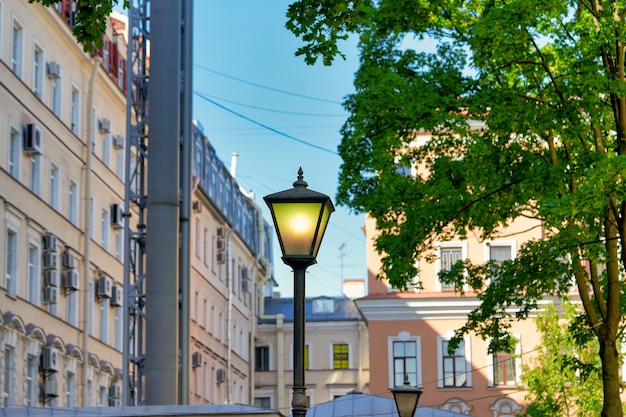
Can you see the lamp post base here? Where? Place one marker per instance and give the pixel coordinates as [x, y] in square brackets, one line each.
[299, 402]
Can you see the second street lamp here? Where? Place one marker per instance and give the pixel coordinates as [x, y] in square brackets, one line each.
[407, 396]
[300, 218]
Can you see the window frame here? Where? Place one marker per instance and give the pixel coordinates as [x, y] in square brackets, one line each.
[265, 352]
[439, 287]
[39, 68]
[35, 174]
[17, 50]
[75, 110]
[12, 269]
[404, 337]
[54, 186]
[335, 361]
[441, 367]
[515, 357]
[14, 152]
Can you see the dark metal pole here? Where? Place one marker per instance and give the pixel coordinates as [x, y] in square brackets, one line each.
[299, 402]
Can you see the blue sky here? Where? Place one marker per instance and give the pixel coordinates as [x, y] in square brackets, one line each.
[255, 98]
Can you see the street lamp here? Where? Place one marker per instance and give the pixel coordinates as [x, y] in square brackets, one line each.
[407, 396]
[300, 218]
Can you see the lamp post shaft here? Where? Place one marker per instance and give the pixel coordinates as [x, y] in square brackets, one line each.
[299, 402]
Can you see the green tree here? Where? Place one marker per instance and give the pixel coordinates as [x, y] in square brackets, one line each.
[565, 378]
[547, 78]
[91, 18]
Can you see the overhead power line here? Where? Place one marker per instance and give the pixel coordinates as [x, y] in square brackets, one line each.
[264, 126]
[323, 100]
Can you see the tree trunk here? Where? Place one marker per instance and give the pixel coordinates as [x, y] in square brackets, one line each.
[610, 376]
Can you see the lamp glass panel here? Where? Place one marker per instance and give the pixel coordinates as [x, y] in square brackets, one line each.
[323, 224]
[296, 224]
[406, 403]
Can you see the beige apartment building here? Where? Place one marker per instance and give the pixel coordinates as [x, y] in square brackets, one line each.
[62, 163]
[62, 118]
[336, 351]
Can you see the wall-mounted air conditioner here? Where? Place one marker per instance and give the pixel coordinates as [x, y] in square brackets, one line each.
[221, 232]
[49, 359]
[220, 257]
[117, 216]
[53, 69]
[220, 376]
[68, 260]
[50, 242]
[117, 296]
[51, 388]
[196, 359]
[104, 125]
[51, 277]
[49, 260]
[33, 139]
[50, 295]
[118, 141]
[104, 288]
[196, 206]
[221, 244]
[71, 280]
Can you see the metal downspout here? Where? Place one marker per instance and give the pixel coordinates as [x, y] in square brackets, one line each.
[229, 313]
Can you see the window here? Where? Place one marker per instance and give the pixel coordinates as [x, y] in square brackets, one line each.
[120, 73]
[70, 389]
[103, 396]
[35, 174]
[75, 111]
[104, 320]
[54, 186]
[15, 146]
[90, 298]
[118, 328]
[197, 238]
[11, 263]
[119, 244]
[91, 217]
[263, 402]
[34, 274]
[72, 203]
[120, 162]
[323, 306]
[57, 91]
[204, 313]
[104, 230]
[17, 45]
[9, 373]
[106, 149]
[206, 246]
[38, 69]
[72, 308]
[340, 356]
[306, 357]
[454, 367]
[499, 254]
[262, 358]
[406, 360]
[505, 368]
[448, 253]
[31, 381]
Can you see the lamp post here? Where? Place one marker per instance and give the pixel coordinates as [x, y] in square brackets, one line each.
[407, 396]
[300, 218]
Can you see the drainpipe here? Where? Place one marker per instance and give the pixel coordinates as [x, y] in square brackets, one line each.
[229, 314]
[87, 219]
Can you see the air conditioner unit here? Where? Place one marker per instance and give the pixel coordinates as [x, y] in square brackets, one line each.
[51, 277]
[50, 242]
[117, 296]
[51, 388]
[53, 69]
[117, 216]
[33, 139]
[104, 287]
[49, 260]
[49, 359]
[196, 359]
[246, 285]
[68, 260]
[220, 376]
[221, 232]
[118, 142]
[50, 295]
[104, 125]
[71, 280]
[221, 257]
[221, 245]
[196, 206]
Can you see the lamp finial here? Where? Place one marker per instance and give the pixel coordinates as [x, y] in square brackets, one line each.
[301, 182]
